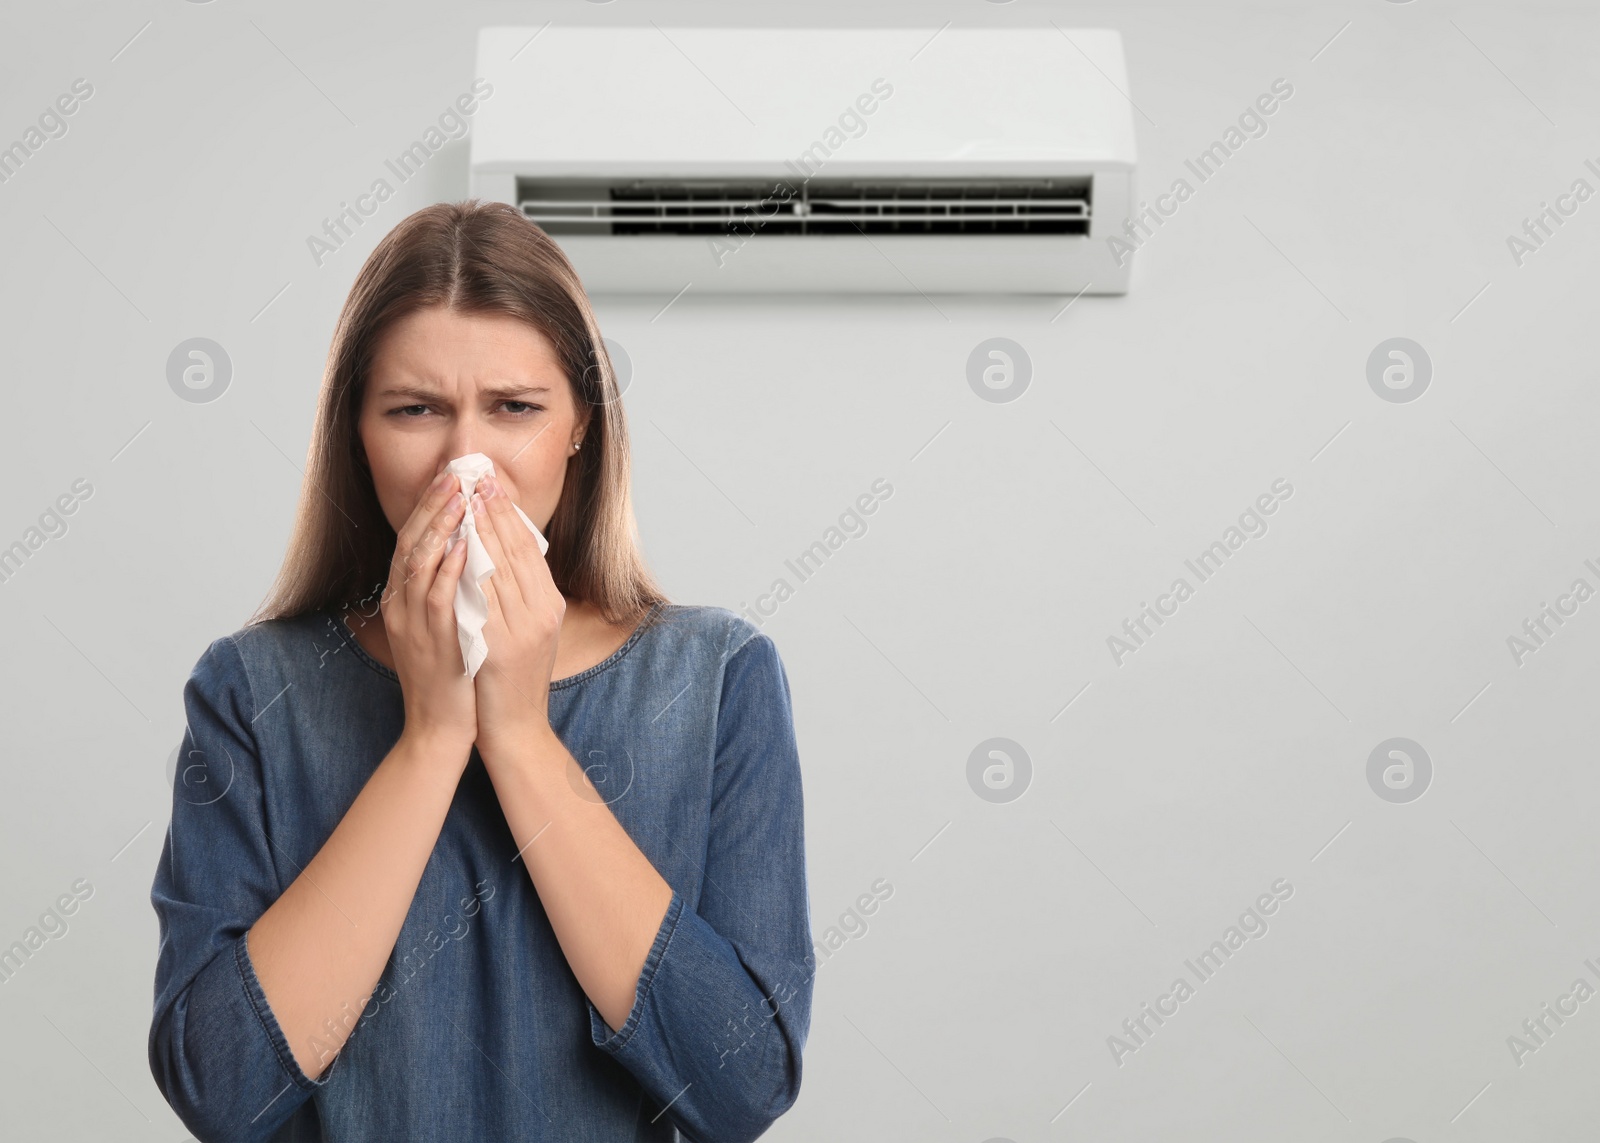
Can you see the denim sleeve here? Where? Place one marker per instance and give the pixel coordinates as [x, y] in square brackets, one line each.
[723, 1004]
[216, 1051]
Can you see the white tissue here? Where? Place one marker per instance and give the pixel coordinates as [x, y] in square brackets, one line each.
[472, 605]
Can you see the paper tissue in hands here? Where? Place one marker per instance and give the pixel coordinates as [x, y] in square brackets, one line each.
[472, 605]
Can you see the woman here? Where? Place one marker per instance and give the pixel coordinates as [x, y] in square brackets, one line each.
[561, 899]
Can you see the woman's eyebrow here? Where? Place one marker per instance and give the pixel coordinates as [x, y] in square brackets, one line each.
[500, 393]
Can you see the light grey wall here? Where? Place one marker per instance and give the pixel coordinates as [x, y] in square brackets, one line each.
[1167, 793]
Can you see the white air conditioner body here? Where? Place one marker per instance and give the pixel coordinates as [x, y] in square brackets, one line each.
[857, 160]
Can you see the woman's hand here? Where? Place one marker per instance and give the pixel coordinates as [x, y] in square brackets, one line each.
[419, 618]
[523, 629]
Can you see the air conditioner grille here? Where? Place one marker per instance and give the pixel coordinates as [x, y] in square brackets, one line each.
[743, 208]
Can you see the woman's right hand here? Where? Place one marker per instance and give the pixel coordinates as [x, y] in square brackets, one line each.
[419, 618]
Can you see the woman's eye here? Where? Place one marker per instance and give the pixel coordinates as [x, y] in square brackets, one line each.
[524, 409]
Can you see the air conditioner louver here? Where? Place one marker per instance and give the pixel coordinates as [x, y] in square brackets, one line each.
[667, 160]
[705, 207]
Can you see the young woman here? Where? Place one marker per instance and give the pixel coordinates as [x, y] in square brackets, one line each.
[561, 899]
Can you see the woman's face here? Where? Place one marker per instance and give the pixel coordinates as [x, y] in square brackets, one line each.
[443, 384]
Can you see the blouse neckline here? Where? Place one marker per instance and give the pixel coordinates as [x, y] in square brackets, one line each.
[555, 684]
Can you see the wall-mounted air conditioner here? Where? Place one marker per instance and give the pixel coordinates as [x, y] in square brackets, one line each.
[730, 160]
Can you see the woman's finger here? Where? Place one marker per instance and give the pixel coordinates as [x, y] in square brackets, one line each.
[442, 595]
[427, 555]
[420, 545]
[527, 563]
[495, 628]
[510, 591]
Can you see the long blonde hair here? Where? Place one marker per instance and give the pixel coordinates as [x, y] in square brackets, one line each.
[474, 257]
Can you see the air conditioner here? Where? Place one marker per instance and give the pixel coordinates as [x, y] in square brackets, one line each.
[862, 160]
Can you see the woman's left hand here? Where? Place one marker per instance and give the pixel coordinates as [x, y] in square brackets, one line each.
[523, 628]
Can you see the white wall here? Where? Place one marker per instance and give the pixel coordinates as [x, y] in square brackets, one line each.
[1230, 751]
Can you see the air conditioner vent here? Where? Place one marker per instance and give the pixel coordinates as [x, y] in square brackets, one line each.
[816, 206]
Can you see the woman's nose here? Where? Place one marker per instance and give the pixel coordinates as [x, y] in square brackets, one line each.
[457, 446]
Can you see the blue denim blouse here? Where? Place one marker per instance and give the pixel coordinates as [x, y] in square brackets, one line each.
[477, 1029]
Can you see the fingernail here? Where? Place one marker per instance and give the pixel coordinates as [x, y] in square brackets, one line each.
[439, 481]
[491, 487]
